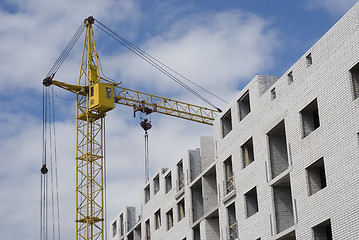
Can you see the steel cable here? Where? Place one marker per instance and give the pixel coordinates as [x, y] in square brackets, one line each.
[66, 51]
[105, 177]
[49, 177]
[147, 171]
[152, 61]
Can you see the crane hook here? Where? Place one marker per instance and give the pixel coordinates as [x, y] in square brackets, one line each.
[145, 124]
[44, 169]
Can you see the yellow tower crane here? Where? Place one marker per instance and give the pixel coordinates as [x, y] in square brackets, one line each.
[94, 98]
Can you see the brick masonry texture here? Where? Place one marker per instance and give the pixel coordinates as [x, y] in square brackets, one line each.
[292, 201]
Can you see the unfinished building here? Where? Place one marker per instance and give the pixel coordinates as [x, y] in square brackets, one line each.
[282, 164]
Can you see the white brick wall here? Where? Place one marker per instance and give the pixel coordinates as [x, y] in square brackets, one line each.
[336, 140]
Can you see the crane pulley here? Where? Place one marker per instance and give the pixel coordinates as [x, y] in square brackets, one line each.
[95, 97]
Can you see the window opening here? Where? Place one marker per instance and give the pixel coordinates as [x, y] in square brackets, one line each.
[251, 202]
[180, 175]
[226, 123]
[278, 149]
[316, 176]
[273, 94]
[288, 236]
[244, 105]
[310, 118]
[181, 210]
[168, 180]
[354, 74]
[309, 60]
[108, 93]
[247, 152]
[283, 204]
[323, 231]
[232, 222]
[121, 225]
[148, 230]
[196, 233]
[169, 215]
[147, 194]
[158, 219]
[197, 201]
[156, 184]
[114, 228]
[290, 77]
[229, 174]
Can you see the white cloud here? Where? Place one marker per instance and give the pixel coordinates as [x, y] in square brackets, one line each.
[218, 50]
[21, 155]
[37, 31]
[334, 7]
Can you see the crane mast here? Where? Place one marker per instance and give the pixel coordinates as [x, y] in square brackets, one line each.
[89, 146]
[94, 99]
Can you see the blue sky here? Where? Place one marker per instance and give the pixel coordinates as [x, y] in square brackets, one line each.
[220, 45]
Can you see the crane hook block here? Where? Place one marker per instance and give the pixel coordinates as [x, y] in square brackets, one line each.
[44, 169]
[145, 124]
[47, 81]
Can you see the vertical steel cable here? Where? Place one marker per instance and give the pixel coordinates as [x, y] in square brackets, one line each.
[146, 158]
[105, 178]
[55, 175]
[49, 149]
[43, 196]
[50, 122]
[49, 203]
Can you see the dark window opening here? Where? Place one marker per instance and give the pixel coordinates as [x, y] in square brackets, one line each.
[156, 184]
[251, 202]
[310, 118]
[283, 204]
[247, 153]
[180, 179]
[244, 105]
[226, 123]
[168, 180]
[196, 233]
[158, 219]
[147, 194]
[108, 93]
[278, 149]
[290, 78]
[316, 176]
[309, 60]
[273, 94]
[148, 230]
[229, 175]
[323, 231]
[181, 210]
[232, 222]
[288, 236]
[169, 215]
[114, 228]
[354, 73]
[121, 225]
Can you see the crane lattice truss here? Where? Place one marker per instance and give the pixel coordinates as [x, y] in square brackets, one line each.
[89, 149]
[94, 99]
